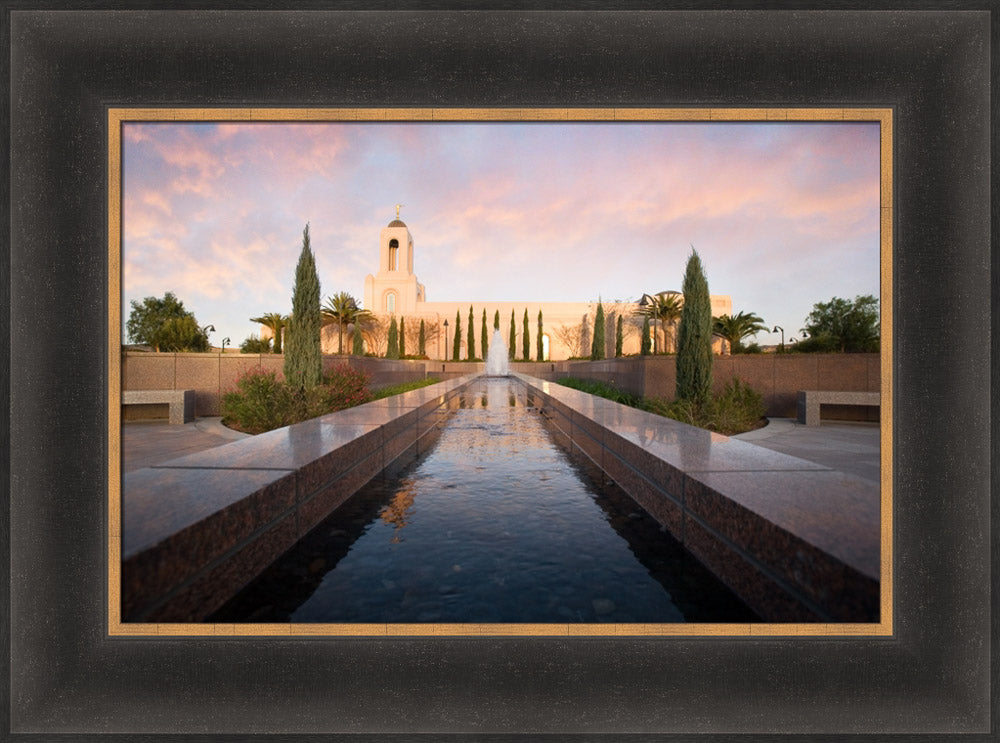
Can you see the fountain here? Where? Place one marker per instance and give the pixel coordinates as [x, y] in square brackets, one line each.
[497, 362]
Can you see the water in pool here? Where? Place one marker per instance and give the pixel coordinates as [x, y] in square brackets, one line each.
[494, 524]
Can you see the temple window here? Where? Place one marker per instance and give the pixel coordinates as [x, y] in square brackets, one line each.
[393, 249]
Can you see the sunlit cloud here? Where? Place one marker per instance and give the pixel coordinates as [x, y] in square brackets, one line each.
[783, 215]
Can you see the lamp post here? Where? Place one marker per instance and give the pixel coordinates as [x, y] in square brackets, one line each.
[775, 330]
[224, 342]
[446, 340]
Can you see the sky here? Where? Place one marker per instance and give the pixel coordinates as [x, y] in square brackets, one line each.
[783, 215]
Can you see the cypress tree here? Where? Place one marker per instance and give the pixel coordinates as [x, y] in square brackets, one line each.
[511, 338]
[402, 337]
[496, 320]
[470, 342]
[597, 346]
[644, 347]
[392, 351]
[483, 340]
[359, 344]
[303, 356]
[422, 340]
[539, 346]
[456, 345]
[619, 337]
[694, 342]
[525, 338]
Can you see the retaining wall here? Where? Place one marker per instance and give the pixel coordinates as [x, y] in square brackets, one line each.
[211, 374]
[778, 377]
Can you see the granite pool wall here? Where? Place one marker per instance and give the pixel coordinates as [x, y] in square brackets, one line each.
[195, 530]
[797, 541]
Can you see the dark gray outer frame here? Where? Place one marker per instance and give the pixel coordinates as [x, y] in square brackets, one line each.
[932, 677]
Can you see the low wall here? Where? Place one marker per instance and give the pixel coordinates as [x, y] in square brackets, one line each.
[796, 541]
[777, 376]
[196, 530]
[211, 374]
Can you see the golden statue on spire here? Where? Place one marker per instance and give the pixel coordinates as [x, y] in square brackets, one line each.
[397, 209]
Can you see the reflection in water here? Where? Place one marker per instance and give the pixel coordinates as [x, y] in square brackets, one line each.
[395, 512]
[500, 526]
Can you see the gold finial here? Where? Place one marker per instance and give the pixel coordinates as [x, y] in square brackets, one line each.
[397, 209]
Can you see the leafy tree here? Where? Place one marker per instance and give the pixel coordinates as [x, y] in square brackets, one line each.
[525, 337]
[422, 340]
[665, 308]
[253, 344]
[402, 337]
[358, 345]
[734, 328]
[392, 351]
[303, 357]
[539, 345]
[150, 323]
[644, 344]
[182, 334]
[496, 320]
[276, 322]
[470, 342]
[597, 346]
[847, 326]
[456, 346]
[342, 309]
[619, 337]
[511, 338]
[694, 346]
[484, 342]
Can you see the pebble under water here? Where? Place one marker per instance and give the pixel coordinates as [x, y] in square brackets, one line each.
[495, 523]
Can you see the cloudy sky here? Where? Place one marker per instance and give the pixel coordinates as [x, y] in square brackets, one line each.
[783, 215]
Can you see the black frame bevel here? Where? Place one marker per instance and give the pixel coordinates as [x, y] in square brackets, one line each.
[931, 65]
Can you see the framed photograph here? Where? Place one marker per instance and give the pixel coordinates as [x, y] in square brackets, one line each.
[87, 85]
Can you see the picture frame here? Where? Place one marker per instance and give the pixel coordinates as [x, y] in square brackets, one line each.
[931, 676]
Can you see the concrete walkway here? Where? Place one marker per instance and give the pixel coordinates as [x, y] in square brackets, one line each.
[845, 446]
[148, 443]
[848, 447]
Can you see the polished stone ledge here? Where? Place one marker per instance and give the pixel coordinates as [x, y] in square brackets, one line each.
[196, 529]
[795, 540]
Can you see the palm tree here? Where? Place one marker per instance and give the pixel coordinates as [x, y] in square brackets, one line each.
[664, 307]
[276, 322]
[734, 328]
[343, 310]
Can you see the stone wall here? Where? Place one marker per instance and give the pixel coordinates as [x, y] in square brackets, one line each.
[778, 377]
[211, 374]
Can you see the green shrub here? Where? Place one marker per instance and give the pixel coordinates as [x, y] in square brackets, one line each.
[262, 402]
[253, 344]
[737, 409]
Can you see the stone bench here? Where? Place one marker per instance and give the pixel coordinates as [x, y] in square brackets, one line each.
[180, 402]
[810, 400]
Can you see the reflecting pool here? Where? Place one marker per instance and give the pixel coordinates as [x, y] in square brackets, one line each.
[495, 523]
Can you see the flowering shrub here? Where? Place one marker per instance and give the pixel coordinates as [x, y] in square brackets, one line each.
[262, 402]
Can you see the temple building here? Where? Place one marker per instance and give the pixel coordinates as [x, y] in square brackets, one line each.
[567, 327]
